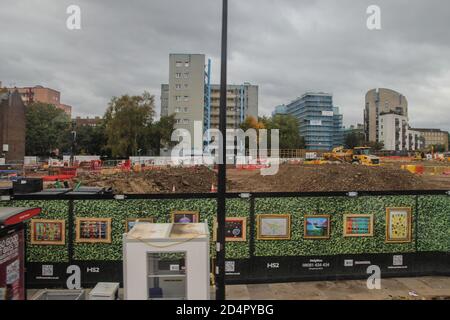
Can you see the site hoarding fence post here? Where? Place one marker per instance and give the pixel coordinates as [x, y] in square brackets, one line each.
[416, 224]
[252, 227]
[221, 194]
[71, 231]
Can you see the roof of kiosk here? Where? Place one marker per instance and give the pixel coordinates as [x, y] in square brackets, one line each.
[12, 216]
[168, 231]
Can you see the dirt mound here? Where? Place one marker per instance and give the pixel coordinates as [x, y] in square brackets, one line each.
[185, 180]
[339, 177]
[290, 178]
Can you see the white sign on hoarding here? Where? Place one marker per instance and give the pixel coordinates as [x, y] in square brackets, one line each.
[315, 122]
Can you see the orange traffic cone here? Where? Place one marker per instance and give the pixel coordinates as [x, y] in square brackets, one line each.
[213, 188]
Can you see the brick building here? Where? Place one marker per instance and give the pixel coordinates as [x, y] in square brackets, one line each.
[44, 95]
[87, 122]
[12, 126]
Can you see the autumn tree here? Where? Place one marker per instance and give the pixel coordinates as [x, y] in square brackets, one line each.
[127, 120]
[252, 123]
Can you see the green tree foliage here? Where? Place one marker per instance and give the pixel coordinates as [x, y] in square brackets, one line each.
[127, 121]
[376, 146]
[91, 140]
[47, 127]
[354, 139]
[290, 138]
[160, 134]
[438, 148]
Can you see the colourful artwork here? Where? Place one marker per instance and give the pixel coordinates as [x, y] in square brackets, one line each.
[185, 217]
[274, 227]
[317, 227]
[48, 232]
[398, 225]
[93, 230]
[235, 229]
[358, 225]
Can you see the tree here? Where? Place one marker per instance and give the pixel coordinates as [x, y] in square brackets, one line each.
[290, 138]
[252, 123]
[47, 127]
[160, 133]
[354, 139]
[91, 140]
[438, 148]
[127, 120]
[376, 146]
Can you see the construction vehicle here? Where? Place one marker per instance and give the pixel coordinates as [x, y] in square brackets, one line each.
[419, 156]
[447, 156]
[358, 155]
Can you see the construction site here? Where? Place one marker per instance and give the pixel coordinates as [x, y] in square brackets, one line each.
[326, 174]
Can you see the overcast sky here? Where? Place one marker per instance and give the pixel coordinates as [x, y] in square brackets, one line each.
[286, 47]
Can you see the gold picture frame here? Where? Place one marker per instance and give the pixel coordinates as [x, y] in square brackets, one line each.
[193, 216]
[359, 231]
[402, 223]
[317, 227]
[43, 232]
[91, 232]
[278, 229]
[128, 220]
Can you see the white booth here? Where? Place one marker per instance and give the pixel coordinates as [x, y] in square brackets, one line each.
[166, 261]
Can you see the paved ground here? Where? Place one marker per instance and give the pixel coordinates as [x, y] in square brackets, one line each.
[427, 288]
[397, 288]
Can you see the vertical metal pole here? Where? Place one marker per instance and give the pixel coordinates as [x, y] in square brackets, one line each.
[252, 221]
[70, 231]
[221, 194]
[415, 216]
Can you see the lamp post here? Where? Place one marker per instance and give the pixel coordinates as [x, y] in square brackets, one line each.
[73, 134]
[221, 189]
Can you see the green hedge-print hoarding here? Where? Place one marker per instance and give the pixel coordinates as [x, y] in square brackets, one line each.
[430, 228]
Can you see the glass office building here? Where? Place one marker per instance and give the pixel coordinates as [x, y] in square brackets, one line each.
[319, 121]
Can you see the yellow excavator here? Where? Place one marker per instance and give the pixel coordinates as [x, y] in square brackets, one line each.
[358, 155]
[419, 156]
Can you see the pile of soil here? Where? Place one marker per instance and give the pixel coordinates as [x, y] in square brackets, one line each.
[290, 178]
[332, 177]
[185, 180]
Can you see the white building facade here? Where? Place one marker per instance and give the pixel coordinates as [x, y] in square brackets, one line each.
[395, 133]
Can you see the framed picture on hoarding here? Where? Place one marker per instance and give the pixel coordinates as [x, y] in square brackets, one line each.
[184, 217]
[93, 230]
[317, 227]
[235, 229]
[48, 232]
[274, 227]
[398, 225]
[130, 222]
[358, 225]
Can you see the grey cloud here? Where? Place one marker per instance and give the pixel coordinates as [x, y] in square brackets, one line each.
[285, 46]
